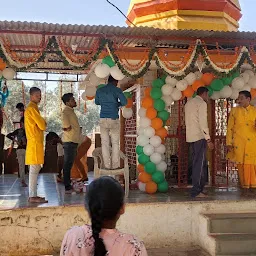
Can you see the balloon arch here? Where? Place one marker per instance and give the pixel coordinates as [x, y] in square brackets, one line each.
[154, 112]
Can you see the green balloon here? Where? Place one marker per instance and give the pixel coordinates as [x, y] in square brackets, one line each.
[163, 187]
[143, 159]
[109, 61]
[164, 115]
[100, 86]
[158, 83]
[210, 91]
[227, 80]
[150, 167]
[156, 93]
[163, 78]
[194, 95]
[158, 177]
[235, 75]
[217, 85]
[139, 150]
[127, 95]
[159, 105]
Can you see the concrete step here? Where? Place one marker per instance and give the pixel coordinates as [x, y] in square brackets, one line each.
[235, 244]
[236, 223]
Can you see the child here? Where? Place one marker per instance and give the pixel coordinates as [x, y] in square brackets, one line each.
[53, 139]
[105, 204]
[19, 136]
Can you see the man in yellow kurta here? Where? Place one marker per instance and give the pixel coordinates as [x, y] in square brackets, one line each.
[35, 126]
[241, 140]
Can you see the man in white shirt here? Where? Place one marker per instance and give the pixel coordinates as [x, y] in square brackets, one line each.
[197, 135]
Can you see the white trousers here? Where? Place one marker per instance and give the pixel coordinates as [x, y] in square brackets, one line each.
[21, 153]
[110, 128]
[33, 175]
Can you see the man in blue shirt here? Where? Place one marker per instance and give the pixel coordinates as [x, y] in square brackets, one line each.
[110, 98]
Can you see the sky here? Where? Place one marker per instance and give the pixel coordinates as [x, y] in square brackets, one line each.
[96, 12]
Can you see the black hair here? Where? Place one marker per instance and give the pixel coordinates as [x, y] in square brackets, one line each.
[51, 136]
[246, 94]
[112, 80]
[20, 105]
[34, 90]
[67, 97]
[201, 90]
[104, 199]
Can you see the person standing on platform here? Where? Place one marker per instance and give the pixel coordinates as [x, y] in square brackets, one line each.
[197, 135]
[70, 138]
[35, 126]
[19, 136]
[110, 98]
[241, 140]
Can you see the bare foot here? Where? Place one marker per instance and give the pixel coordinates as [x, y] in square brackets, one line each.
[37, 200]
[201, 195]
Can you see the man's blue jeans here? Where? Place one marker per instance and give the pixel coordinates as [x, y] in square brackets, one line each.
[70, 151]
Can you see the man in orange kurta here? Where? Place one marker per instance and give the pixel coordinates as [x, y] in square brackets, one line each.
[35, 126]
[241, 140]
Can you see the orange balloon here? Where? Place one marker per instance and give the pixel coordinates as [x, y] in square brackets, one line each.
[140, 168]
[157, 123]
[2, 64]
[151, 113]
[162, 133]
[90, 98]
[129, 103]
[147, 102]
[163, 141]
[144, 177]
[168, 122]
[207, 78]
[197, 84]
[151, 187]
[188, 92]
[147, 92]
[253, 93]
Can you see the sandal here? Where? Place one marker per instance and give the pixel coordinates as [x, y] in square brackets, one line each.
[37, 200]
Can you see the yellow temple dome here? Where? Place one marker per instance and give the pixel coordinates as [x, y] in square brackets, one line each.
[218, 15]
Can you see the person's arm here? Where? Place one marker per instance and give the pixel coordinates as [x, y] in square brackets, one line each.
[12, 135]
[121, 97]
[230, 129]
[66, 125]
[203, 121]
[97, 98]
[39, 120]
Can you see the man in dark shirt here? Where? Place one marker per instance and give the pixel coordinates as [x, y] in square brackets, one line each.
[110, 98]
[19, 136]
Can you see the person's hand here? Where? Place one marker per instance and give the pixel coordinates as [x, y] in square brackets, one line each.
[210, 145]
[229, 148]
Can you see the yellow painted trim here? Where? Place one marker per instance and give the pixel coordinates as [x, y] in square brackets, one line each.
[159, 16]
[133, 2]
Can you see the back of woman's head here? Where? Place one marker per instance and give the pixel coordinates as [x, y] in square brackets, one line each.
[104, 199]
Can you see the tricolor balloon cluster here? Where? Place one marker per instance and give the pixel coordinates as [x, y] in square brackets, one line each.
[127, 110]
[151, 137]
[6, 72]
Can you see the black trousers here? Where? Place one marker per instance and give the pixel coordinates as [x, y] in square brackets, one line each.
[199, 166]
[70, 151]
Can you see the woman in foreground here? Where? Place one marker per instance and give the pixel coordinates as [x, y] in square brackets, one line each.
[105, 204]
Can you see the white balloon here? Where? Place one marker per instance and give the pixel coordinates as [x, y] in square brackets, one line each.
[226, 92]
[156, 158]
[198, 75]
[163, 157]
[215, 96]
[249, 72]
[167, 90]
[182, 85]
[142, 140]
[252, 82]
[116, 73]
[145, 122]
[190, 78]
[168, 100]
[127, 113]
[161, 149]
[142, 186]
[102, 70]
[141, 131]
[83, 96]
[90, 91]
[142, 112]
[246, 88]
[170, 80]
[176, 94]
[94, 80]
[155, 141]
[148, 150]
[162, 166]
[238, 83]
[245, 77]
[9, 73]
[149, 132]
[235, 94]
